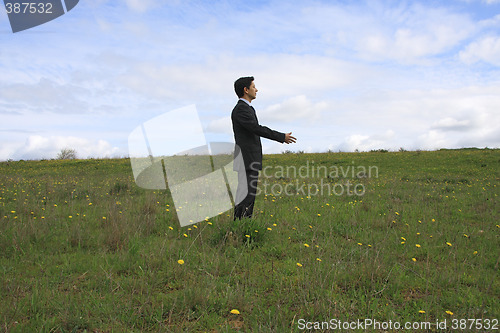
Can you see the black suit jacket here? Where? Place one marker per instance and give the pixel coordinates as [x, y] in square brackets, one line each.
[247, 133]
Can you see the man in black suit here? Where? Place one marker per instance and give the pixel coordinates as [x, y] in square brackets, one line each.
[247, 133]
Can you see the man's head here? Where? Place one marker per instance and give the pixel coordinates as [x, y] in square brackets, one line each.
[245, 88]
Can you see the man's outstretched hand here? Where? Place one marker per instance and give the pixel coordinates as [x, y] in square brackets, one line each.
[289, 138]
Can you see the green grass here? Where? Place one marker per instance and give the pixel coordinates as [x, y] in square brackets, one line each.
[82, 248]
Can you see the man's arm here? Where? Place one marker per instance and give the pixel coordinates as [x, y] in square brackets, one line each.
[248, 121]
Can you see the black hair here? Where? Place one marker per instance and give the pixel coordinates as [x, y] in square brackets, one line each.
[241, 83]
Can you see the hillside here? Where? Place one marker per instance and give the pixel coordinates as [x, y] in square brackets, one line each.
[416, 240]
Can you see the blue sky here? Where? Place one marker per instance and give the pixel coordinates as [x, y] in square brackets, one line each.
[340, 75]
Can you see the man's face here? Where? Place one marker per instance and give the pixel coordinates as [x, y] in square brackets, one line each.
[252, 91]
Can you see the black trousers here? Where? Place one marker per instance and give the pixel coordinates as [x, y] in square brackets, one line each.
[245, 194]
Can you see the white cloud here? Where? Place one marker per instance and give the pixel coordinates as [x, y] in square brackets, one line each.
[486, 49]
[483, 138]
[367, 142]
[298, 108]
[38, 147]
[488, 2]
[452, 124]
[7, 150]
[493, 22]
[406, 33]
[45, 95]
[432, 140]
[3, 17]
[450, 118]
[140, 5]
[424, 32]
[222, 125]
[360, 68]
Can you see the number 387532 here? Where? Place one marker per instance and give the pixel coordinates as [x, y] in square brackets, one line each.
[28, 8]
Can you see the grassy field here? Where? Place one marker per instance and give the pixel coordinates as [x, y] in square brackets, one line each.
[82, 248]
